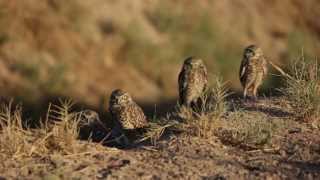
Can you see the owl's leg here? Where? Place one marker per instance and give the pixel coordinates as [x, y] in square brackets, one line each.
[248, 87]
[245, 91]
[250, 100]
[251, 91]
[256, 87]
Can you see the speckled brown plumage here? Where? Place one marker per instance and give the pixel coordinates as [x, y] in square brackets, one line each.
[253, 70]
[192, 81]
[125, 111]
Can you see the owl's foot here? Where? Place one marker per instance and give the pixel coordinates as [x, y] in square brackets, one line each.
[255, 99]
[250, 101]
[123, 141]
[118, 139]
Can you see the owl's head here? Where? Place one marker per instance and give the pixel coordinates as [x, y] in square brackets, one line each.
[193, 62]
[90, 116]
[252, 51]
[119, 97]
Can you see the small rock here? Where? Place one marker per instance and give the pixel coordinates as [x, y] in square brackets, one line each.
[294, 130]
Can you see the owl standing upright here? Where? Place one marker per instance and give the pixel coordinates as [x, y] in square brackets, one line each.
[253, 70]
[125, 112]
[193, 80]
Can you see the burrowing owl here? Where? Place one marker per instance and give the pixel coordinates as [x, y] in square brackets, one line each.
[125, 111]
[193, 80]
[253, 69]
[89, 117]
[92, 126]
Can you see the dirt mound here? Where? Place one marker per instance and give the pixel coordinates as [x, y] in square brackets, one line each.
[263, 144]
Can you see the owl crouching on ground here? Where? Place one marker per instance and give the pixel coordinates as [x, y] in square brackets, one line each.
[192, 80]
[253, 70]
[91, 126]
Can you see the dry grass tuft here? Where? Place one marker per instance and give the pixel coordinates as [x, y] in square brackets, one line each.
[63, 131]
[14, 137]
[248, 131]
[204, 120]
[201, 121]
[215, 101]
[302, 90]
[58, 134]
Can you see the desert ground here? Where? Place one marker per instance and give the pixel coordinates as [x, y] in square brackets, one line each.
[249, 142]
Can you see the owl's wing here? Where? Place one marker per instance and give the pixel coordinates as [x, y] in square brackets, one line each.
[182, 81]
[243, 68]
[112, 113]
[115, 117]
[139, 117]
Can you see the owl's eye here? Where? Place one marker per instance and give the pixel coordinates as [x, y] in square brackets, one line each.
[124, 98]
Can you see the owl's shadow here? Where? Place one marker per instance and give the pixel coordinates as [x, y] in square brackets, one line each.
[236, 102]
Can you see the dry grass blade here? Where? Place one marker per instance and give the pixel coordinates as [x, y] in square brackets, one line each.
[155, 131]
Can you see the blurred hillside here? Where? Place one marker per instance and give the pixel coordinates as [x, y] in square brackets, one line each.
[84, 49]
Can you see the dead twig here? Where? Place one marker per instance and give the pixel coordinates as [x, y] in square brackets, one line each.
[280, 70]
